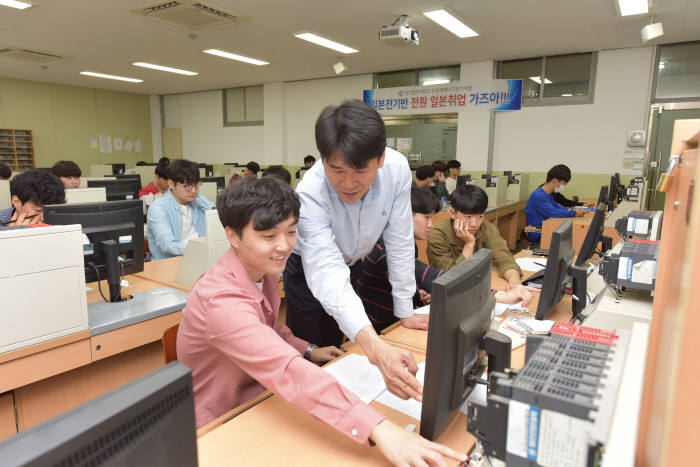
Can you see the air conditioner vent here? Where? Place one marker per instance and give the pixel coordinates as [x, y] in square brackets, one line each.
[189, 14]
[28, 55]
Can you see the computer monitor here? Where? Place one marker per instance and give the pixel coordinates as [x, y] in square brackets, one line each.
[118, 168]
[149, 421]
[603, 196]
[202, 252]
[119, 189]
[612, 193]
[220, 181]
[86, 195]
[593, 236]
[486, 176]
[460, 317]
[509, 174]
[114, 229]
[208, 169]
[559, 260]
[463, 179]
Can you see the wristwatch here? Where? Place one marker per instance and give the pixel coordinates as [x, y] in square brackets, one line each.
[309, 348]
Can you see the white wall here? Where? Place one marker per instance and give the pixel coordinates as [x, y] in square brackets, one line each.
[589, 138]
[473, 127]
[156, 131]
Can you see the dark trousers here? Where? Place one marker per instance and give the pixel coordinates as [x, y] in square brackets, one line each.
[305, 316]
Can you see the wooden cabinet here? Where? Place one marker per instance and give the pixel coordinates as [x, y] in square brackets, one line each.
[17, 149]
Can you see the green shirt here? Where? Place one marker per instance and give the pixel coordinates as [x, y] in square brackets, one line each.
[445, 249]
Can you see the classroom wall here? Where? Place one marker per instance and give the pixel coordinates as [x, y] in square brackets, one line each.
[64, 119]
[473, 127]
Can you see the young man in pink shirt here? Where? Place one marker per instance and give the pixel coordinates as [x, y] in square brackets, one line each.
[230, 338]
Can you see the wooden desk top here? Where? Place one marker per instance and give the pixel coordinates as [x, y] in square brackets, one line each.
[274, 433]
[163, 271]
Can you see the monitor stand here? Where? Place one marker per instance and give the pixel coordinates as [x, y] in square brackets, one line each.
[109, 248]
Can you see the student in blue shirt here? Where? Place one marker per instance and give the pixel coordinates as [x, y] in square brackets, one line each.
[360, 191]
[178, 216]
[541, 204]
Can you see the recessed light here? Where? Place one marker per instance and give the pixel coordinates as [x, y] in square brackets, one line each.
[566, 95]
[102, 75]
[632, 7]
[166, 68]
[430, 82]
[230, 56]
[15, 4]
[452, 24]
[323, 42]
[536, 79]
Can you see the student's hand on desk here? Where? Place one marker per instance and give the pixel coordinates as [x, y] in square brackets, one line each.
[325, 354]
[406, 448]
[516, 295]
[579, 212]
[415, 322]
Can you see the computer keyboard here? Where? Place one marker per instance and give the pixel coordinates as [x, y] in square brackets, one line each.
[540, 252]
[535, 279]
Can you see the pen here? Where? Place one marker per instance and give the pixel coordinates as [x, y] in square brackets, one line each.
[540, 264]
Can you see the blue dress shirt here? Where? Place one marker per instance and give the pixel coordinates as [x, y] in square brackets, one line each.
[540, 207]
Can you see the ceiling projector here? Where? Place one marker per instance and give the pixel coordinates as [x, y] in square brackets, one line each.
[399, 34]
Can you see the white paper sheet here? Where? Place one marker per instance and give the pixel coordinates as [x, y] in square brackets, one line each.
[359, 376]
[424, 310]
[410, 407]
[531, 264]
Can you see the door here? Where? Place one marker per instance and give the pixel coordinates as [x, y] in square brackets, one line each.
[660, 150]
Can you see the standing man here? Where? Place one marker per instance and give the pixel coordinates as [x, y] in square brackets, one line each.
[361, 191]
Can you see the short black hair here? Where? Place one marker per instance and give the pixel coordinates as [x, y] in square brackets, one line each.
[453, 164]
[469, 199]
[560, 172]
[354, 130]
[164, 160]
[162, 169]
[424, 201]
[253, 167]
[425, 171]
[267, 201]
[183, 171]
[5, 171]
[279, 172]
[309, 159]
[38, 186]
[66, 169]
[439, 166]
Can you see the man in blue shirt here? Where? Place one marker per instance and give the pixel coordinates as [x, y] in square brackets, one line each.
[541, 204]
[360, 191]
[178, 216]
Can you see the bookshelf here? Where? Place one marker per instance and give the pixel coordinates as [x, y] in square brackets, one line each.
[17, 149]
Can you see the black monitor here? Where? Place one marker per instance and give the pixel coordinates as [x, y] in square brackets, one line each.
[509, 174]
[124, 189]
[463, 179]
[118, 168]
[126, 177]
[486, 176]
[115, 229]
[149, 421]
[603, 196]
[220, 181]
[593, 236]
[460, 317]
[612, 193]
[208, 169]
[559, 260]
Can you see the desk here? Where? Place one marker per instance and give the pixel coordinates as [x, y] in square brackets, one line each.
[579, 230]
[51, 377]
[274, 433]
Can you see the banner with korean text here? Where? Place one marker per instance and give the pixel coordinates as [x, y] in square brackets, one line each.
[461, 96]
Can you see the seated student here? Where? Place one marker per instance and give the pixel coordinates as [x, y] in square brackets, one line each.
[541, 204]
[467, 231]
[439, 189]
[453, 168]
[424, 178]
[5, 172]
[308, 163]
[251, 169]
[373, 286]
[179, 215]
[68, 172]
[279, 172]
[158, 186]
[230, 337]
[29, 192]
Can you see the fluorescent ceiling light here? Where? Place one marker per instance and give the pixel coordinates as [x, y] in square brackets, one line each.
[323, 42]
[452, 24]
[120, 78]
[435, 81]
[662, 65]
[15, 4]
[165, 68]
[566, 95]
[633, 7]
[230, 56]
[536, 79]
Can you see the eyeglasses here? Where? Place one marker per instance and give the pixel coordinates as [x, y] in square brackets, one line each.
[190, 186]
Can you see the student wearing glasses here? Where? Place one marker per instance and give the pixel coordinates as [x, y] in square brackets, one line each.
[179, 216]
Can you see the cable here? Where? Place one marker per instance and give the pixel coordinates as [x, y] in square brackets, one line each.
[99, 287]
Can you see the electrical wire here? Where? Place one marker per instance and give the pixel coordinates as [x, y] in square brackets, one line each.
[99, 287]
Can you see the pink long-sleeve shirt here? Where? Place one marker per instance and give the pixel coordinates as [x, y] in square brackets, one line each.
[230, 338]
